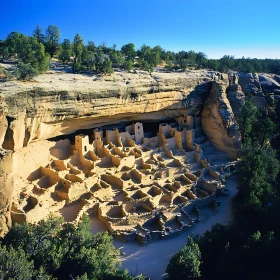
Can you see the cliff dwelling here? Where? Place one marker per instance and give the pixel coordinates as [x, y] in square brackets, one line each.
[142, 185]
[140, 167]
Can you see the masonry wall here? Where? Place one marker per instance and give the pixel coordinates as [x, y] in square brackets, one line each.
[113, 180]
[98, 134]
[171, 143]
[190, 139]
[178, 138]
[123, 138]
[127, 162]
[139, 133]
[186, 120]
[164, 129]
[82, 144]
[111, 137]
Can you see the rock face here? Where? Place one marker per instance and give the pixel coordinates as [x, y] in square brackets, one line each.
[5, 170]
[236, 98]
[54, 105]
[264, 88]
[4, 126]
[218, 122]
[249, 83]
[6, 188]
[269, 83]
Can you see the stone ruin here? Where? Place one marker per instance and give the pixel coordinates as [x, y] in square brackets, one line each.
[141, 187]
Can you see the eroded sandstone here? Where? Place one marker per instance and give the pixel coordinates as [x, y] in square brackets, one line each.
[59, 104]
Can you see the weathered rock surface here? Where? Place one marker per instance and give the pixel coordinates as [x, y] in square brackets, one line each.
[6, 188]
[236, 98]
[269, 83]
[59, 104]
[6, 181]
[262, 87]
[218, 121]
[4, 126]
[249, 83]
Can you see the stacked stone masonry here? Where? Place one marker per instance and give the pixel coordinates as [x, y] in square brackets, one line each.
[140, 188]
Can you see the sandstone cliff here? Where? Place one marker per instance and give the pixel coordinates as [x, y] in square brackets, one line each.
[218, 120]
[236, 98]
[6, 188]
[56, 104]
[264, 88]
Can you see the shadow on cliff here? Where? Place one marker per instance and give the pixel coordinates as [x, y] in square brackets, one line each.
[195, 101]
[192, 104]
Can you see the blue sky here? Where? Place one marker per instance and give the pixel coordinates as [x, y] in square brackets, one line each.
[247, 28]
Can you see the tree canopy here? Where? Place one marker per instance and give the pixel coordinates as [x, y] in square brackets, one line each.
[185, 263]
[30, 54]
[65, 51]
[52, 39]
[52, 249]
[87, 57]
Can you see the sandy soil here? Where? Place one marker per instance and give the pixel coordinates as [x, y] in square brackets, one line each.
[152, 259]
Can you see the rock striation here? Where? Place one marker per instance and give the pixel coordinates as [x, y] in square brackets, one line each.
[262, 87]
[218, 121]
[269, 83]
[235, 96]
[249, 83]
[56, 104]
[6, 188]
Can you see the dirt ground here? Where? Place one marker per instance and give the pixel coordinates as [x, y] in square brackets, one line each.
[152, 259]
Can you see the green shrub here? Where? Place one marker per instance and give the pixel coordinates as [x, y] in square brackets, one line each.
[128, 65]
[185, 263]
[25, 71]
[30, 54]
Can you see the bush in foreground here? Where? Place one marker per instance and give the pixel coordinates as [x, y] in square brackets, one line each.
[52, 249]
